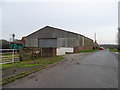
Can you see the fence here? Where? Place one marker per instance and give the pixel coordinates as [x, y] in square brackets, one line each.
[31, 53]
[9, 56]
[15, 55]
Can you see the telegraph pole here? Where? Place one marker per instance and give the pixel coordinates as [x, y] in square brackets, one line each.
[95, 37]
[13, 36]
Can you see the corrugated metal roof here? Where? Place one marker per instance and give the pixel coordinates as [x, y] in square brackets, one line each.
[17, 42]
[56, 29]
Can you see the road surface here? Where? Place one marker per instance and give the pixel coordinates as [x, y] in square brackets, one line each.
[88, 70]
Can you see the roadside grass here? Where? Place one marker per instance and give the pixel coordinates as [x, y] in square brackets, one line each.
[114, 50]
[44, 62]
[88, 51]
[36, 62]
[20, 75]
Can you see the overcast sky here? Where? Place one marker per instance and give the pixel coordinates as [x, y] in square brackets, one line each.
[85, 17]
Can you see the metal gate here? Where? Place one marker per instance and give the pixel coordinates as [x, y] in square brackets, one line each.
[9, 56]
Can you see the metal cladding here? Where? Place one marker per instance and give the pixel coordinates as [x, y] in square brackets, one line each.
[54, 37]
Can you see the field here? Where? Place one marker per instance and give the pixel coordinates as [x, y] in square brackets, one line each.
[114, 50]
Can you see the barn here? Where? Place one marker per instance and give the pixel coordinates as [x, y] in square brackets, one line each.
[61, 40]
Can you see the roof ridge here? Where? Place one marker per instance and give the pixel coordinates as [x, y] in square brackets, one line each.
[58, 29]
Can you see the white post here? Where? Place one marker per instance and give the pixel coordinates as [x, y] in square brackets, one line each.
[13, 56]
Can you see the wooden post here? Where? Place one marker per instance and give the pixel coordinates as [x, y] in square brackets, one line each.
[41, 52]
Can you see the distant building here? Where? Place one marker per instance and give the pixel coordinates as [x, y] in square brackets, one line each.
[110, 46]
[63, 41]
[17, 44]
[4, 44]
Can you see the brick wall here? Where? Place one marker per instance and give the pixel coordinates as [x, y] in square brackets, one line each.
[79, 48]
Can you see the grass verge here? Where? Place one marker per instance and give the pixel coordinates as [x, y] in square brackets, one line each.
[45, 62]
[30, 63]
[114, 50]
[88, 51]
[20, 75]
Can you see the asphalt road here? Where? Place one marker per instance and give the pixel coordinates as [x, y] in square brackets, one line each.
[88, 70]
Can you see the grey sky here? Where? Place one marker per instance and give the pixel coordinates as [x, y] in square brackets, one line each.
[86, 18]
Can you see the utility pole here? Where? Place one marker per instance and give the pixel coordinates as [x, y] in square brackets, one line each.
[13, 36]
[95, 41]
[95, 37]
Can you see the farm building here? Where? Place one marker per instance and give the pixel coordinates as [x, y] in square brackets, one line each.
[4, 44]
[60, 40]
[16, 45]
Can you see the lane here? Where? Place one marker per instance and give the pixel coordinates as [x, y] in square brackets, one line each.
[93, 70]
